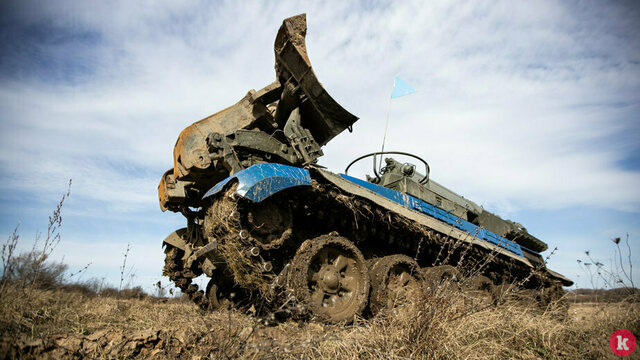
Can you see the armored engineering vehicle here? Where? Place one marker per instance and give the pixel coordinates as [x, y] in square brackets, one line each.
[266, 222]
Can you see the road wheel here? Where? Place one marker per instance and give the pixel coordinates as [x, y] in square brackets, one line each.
[478, 283]
[221, 291]
[214, 294]
[437, 276]
[480, 288]
[393, 278]
[329, 278]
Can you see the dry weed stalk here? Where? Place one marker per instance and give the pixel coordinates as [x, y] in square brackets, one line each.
[628, 275]
[123, 268]
[619, 274]
[52, 239]
[8, 259]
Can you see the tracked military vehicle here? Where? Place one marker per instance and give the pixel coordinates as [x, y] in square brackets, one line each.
[267, 224]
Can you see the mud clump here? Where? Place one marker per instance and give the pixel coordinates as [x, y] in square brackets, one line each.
[151, 343]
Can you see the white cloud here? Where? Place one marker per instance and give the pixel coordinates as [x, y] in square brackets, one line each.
[500, 93]
[527, 106]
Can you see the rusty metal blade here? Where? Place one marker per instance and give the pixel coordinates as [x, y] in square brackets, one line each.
[321, 114]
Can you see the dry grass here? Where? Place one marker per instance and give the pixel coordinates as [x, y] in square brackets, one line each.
[72, 320]
[447, 325]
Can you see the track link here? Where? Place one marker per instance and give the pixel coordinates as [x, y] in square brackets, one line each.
[174, 269]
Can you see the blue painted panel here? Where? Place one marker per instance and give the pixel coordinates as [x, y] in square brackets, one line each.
[416, 204]
[260, 181]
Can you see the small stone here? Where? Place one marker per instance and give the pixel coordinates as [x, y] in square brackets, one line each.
[33, 343]
[71, 344]
[97, 335]
[145, 335]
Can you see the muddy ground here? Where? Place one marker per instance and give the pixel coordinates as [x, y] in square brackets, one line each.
[63, 324]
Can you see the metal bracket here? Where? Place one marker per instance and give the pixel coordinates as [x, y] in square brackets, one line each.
[200, 252]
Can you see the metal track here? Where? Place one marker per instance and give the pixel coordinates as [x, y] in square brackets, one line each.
[323, 209]
[174, 269]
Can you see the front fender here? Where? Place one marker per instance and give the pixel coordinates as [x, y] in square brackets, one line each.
[260, 181]
[176, 239]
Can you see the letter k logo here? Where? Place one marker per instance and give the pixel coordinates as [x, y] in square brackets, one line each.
[622, 343]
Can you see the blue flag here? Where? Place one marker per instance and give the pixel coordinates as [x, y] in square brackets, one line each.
[401, 88]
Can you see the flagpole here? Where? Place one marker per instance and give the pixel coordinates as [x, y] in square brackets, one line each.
[386, 125]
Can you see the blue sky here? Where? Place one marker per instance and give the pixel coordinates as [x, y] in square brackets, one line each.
[531, 109]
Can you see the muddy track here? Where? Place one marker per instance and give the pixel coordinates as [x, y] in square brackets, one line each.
[257, 241]
[174, 269]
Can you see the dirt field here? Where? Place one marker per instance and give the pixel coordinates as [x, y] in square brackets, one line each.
[66, 324]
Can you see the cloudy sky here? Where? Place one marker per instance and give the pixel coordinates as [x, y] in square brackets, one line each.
[531, 109]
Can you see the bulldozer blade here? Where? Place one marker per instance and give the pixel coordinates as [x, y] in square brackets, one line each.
[321, 114]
